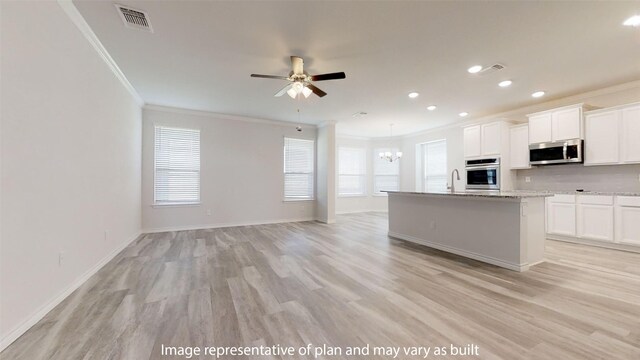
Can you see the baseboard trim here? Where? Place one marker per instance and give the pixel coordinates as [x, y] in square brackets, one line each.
[596, 243]
[18, 331]
[224, 225]
[465, 253]
[360, 211]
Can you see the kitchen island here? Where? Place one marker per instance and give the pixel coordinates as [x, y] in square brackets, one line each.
[501, 228]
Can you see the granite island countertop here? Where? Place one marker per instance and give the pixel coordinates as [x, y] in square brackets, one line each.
[480, 194]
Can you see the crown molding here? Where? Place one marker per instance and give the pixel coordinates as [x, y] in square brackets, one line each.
[82, 25]
[219, 116]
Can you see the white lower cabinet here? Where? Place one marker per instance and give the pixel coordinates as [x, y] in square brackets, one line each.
[561, 215]
[628, 220]
[595, 217]
[604, 218]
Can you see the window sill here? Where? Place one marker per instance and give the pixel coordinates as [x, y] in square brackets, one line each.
[169, 205]
[380, 194]
[297, 200]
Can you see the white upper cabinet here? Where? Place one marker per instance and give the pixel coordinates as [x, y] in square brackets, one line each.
[601, 138]
[490, 139]
[556, 125]
[519, 146]
[540, 128]
[611, 135]
[630, 137]
[472, 147]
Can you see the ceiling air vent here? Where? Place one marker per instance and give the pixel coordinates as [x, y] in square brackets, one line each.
[490, 69]
[133, 18]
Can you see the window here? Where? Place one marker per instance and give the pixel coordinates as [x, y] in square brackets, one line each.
[177, 166]
[434, 166]
[299, 167]
[352, 173]
[386, 174]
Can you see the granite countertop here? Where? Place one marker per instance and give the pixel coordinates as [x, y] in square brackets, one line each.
[569, 192]
[481, 194]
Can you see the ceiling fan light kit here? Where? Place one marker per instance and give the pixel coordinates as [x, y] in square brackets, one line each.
[300, 82]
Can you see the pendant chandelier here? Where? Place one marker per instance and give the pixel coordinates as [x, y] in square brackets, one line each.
[388, 155]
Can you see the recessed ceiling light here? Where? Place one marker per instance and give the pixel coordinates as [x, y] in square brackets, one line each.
[505, 83]
[632, 21]
[538, 94]
[474, 69]
[413, 95]
[463, 114]
[431, 107]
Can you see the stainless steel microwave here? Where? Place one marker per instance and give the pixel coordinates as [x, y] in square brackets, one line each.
[559, 152]
[483, 174]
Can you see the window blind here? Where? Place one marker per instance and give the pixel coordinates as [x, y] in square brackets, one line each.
[386, 174]
[299, 164]
[177, 165]
[435, 165]
[351, 171]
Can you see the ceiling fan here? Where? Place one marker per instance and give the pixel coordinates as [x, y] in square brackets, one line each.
[300, 81]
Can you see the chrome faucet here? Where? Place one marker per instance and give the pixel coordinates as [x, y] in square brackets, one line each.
[453, 184]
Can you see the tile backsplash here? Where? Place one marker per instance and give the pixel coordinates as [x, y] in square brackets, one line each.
[623, 178]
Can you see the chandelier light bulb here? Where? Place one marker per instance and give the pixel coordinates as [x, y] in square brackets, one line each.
[306, 92]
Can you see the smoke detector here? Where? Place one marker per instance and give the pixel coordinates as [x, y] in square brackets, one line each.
[134, 18]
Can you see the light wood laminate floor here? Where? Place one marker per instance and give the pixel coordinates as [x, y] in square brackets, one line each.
[345, 284]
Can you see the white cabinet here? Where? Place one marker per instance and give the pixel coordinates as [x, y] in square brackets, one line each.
[611, 136]
[628, 220]
[595, 217]
[483, 140]
[566, 124]
[556, 125]
[630, 134]
[490, 139]
[519, 146]
[561, 215]
[601, 138]
[540, 128]
[472, 147]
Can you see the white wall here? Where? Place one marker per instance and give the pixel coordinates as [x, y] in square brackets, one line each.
[241, 172]
[326, 180]
[368, 202]
[71, 140]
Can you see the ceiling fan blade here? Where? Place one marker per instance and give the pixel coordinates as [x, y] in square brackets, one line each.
[270, 77]
[297, 65]
[316, 91]
[331, 76]
[283, 90]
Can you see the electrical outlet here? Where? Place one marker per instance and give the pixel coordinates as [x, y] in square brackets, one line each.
[106, 235]
[527, 179]
[638, 177]
[432, 225]
[208, 212]
[60, 258]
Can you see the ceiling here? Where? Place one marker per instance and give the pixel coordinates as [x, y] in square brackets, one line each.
[201, 53]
